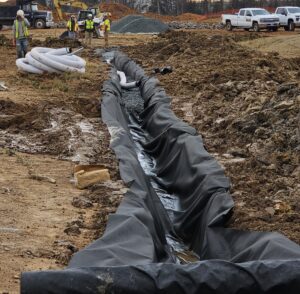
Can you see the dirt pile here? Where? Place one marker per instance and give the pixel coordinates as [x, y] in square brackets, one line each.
[176, 25]
[117, 10]
[56, 43]
[246, 106]
[4, 41]
[138, 24]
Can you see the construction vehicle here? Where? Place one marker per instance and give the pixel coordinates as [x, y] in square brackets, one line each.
[37, 18]
[82, 14]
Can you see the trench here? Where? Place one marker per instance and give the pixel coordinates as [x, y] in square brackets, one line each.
[133, 104]
[178, 195]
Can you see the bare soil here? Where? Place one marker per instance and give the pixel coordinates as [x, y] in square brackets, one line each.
[48, 124]
[246, 106]
[287, 46]
[244, 102]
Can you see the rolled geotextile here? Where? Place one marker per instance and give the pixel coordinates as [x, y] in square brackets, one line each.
[123, 81]
[40, 60]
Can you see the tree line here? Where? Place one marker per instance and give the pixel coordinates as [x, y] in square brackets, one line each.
[208, 6]
[176, 7]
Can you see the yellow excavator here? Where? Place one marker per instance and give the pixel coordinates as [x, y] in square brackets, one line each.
[85, 10]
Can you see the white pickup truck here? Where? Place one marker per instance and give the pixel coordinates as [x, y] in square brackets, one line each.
[251, 18]
[289, 17]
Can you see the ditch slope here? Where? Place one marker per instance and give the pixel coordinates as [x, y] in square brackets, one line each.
[245, 104]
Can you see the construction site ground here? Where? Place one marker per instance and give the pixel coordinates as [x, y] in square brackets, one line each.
[239, 90]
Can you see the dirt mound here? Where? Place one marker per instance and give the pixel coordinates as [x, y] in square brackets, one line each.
[117, 10]
[246, 106]
[56, 43]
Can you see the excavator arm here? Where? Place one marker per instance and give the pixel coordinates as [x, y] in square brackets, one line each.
[73, 3]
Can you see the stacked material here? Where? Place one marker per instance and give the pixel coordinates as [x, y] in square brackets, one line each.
[138, 24]
[41, 60]
[177, 25]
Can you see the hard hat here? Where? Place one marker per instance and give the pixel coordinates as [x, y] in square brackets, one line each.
[20, 13]
[90, 16]
[72, 16]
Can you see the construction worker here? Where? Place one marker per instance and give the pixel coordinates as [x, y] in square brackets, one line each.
[89, 29]
[106, 28]
[21, 34]
[72, 26]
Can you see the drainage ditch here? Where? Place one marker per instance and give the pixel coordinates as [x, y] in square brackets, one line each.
[175, 189]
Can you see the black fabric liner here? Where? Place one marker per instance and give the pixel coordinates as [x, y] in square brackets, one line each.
[133, 255]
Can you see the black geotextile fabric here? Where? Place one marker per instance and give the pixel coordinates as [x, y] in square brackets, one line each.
[133, 256]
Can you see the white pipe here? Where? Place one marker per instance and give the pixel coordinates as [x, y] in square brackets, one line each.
[123, 81]
[61, 51]
[51, 60]
[41, 60]
[22, 65]
[39, 65]
[76, 51]
[71, 60]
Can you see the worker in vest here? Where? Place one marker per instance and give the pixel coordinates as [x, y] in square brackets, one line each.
[21, 34]
[72, 26]
[106, 28]
[89, 29]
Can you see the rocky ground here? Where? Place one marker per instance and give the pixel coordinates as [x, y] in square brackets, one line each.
[246, 106]
[189, 25]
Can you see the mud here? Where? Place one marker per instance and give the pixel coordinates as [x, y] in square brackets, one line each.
[246, 106]
[47, 124]
[53, 130]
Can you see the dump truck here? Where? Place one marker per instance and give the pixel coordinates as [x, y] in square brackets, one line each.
[37, 18]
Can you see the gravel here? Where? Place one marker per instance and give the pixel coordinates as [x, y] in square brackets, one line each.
[138, 24]
[132, 100]
[175, 25]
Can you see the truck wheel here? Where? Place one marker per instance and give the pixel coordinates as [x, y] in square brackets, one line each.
[247, 30]
[275, 29]
[291, 25]
[228, 25]
[255, 27]
[40, 24]
[286, 28]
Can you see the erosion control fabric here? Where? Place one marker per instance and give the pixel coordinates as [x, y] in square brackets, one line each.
[135, 254]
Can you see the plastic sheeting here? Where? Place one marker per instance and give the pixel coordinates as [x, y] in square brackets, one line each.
[134, 255]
